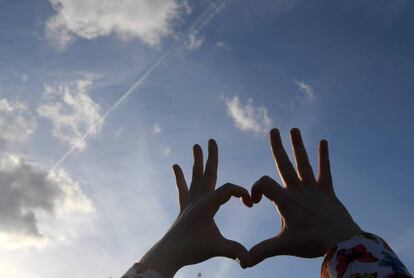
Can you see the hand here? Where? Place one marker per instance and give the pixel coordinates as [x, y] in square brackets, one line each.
[194, 236]
[313, 219]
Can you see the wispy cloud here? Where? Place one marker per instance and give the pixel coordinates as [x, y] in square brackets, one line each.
[248, 117]
[166, 151]
[24, 78]
[156, 129]
[147, 20]
[16, 123]
[72, 111]
[306, 88]
[222, 45]
[193, 42]
[200, 22]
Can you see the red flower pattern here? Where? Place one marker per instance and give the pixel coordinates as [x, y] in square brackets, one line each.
[357, 253]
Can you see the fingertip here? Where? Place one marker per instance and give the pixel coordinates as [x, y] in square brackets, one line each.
[274, 132]
[176, 169]
[243, 257]
[256, 192]
[324, 142]
[196, 147]
[212, 145]
[295, 131]
[247, 201]
[254, 257]
[245, 196]
[211, 141]
[197, 153]
[323, 147]
[242, 262]
[256, 197]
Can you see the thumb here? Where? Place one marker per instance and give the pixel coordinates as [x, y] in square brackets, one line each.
[234, 250]
[268, 248]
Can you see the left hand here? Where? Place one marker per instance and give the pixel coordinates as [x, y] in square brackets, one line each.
[194, 236]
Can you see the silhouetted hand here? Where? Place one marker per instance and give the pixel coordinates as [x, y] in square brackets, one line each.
[313, 219]
[194, 236]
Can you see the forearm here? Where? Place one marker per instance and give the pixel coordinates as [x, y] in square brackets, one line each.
[363, 256]
[161, 261]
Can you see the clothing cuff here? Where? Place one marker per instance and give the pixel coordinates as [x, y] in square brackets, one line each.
[140, 270]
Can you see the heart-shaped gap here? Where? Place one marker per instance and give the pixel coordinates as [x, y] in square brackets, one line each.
[248, 226]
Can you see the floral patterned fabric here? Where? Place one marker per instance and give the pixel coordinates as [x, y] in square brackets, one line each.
[363, 256]
[139, 270]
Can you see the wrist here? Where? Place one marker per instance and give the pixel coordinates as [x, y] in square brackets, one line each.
[163, 259]
[341, 234]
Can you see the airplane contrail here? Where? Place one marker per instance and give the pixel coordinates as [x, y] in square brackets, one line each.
[201, 21]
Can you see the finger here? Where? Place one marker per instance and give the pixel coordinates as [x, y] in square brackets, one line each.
[181, 186]
[284, 166]
[302, 161]
[234, 250]
[198, 169]
[266, 249]
[325, 177]
[223, 194]
[210, 175]
[268, 187]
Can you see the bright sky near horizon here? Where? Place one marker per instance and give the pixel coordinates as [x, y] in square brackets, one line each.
[98, 99]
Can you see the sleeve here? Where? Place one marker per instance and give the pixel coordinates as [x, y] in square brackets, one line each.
[140, 270]
[363, 256]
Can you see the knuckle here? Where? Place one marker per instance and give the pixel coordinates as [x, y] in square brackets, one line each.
[227, 186]
[265, 179]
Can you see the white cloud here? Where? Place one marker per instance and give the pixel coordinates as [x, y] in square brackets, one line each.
[220, 44]
[16, 123]
[30, 195]
[247, 117]
[156, 129]
[306, 88]
[24, 78]
[10, 106]
[193, 42]
[166, 151]
[72, 112]
[147, 20]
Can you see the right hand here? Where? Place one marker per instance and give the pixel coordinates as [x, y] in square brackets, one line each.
[313, 219]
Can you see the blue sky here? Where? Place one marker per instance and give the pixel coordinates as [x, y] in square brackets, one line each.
[230, 70]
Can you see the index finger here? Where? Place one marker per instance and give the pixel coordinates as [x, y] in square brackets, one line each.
[223, 194]
[270, 188]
